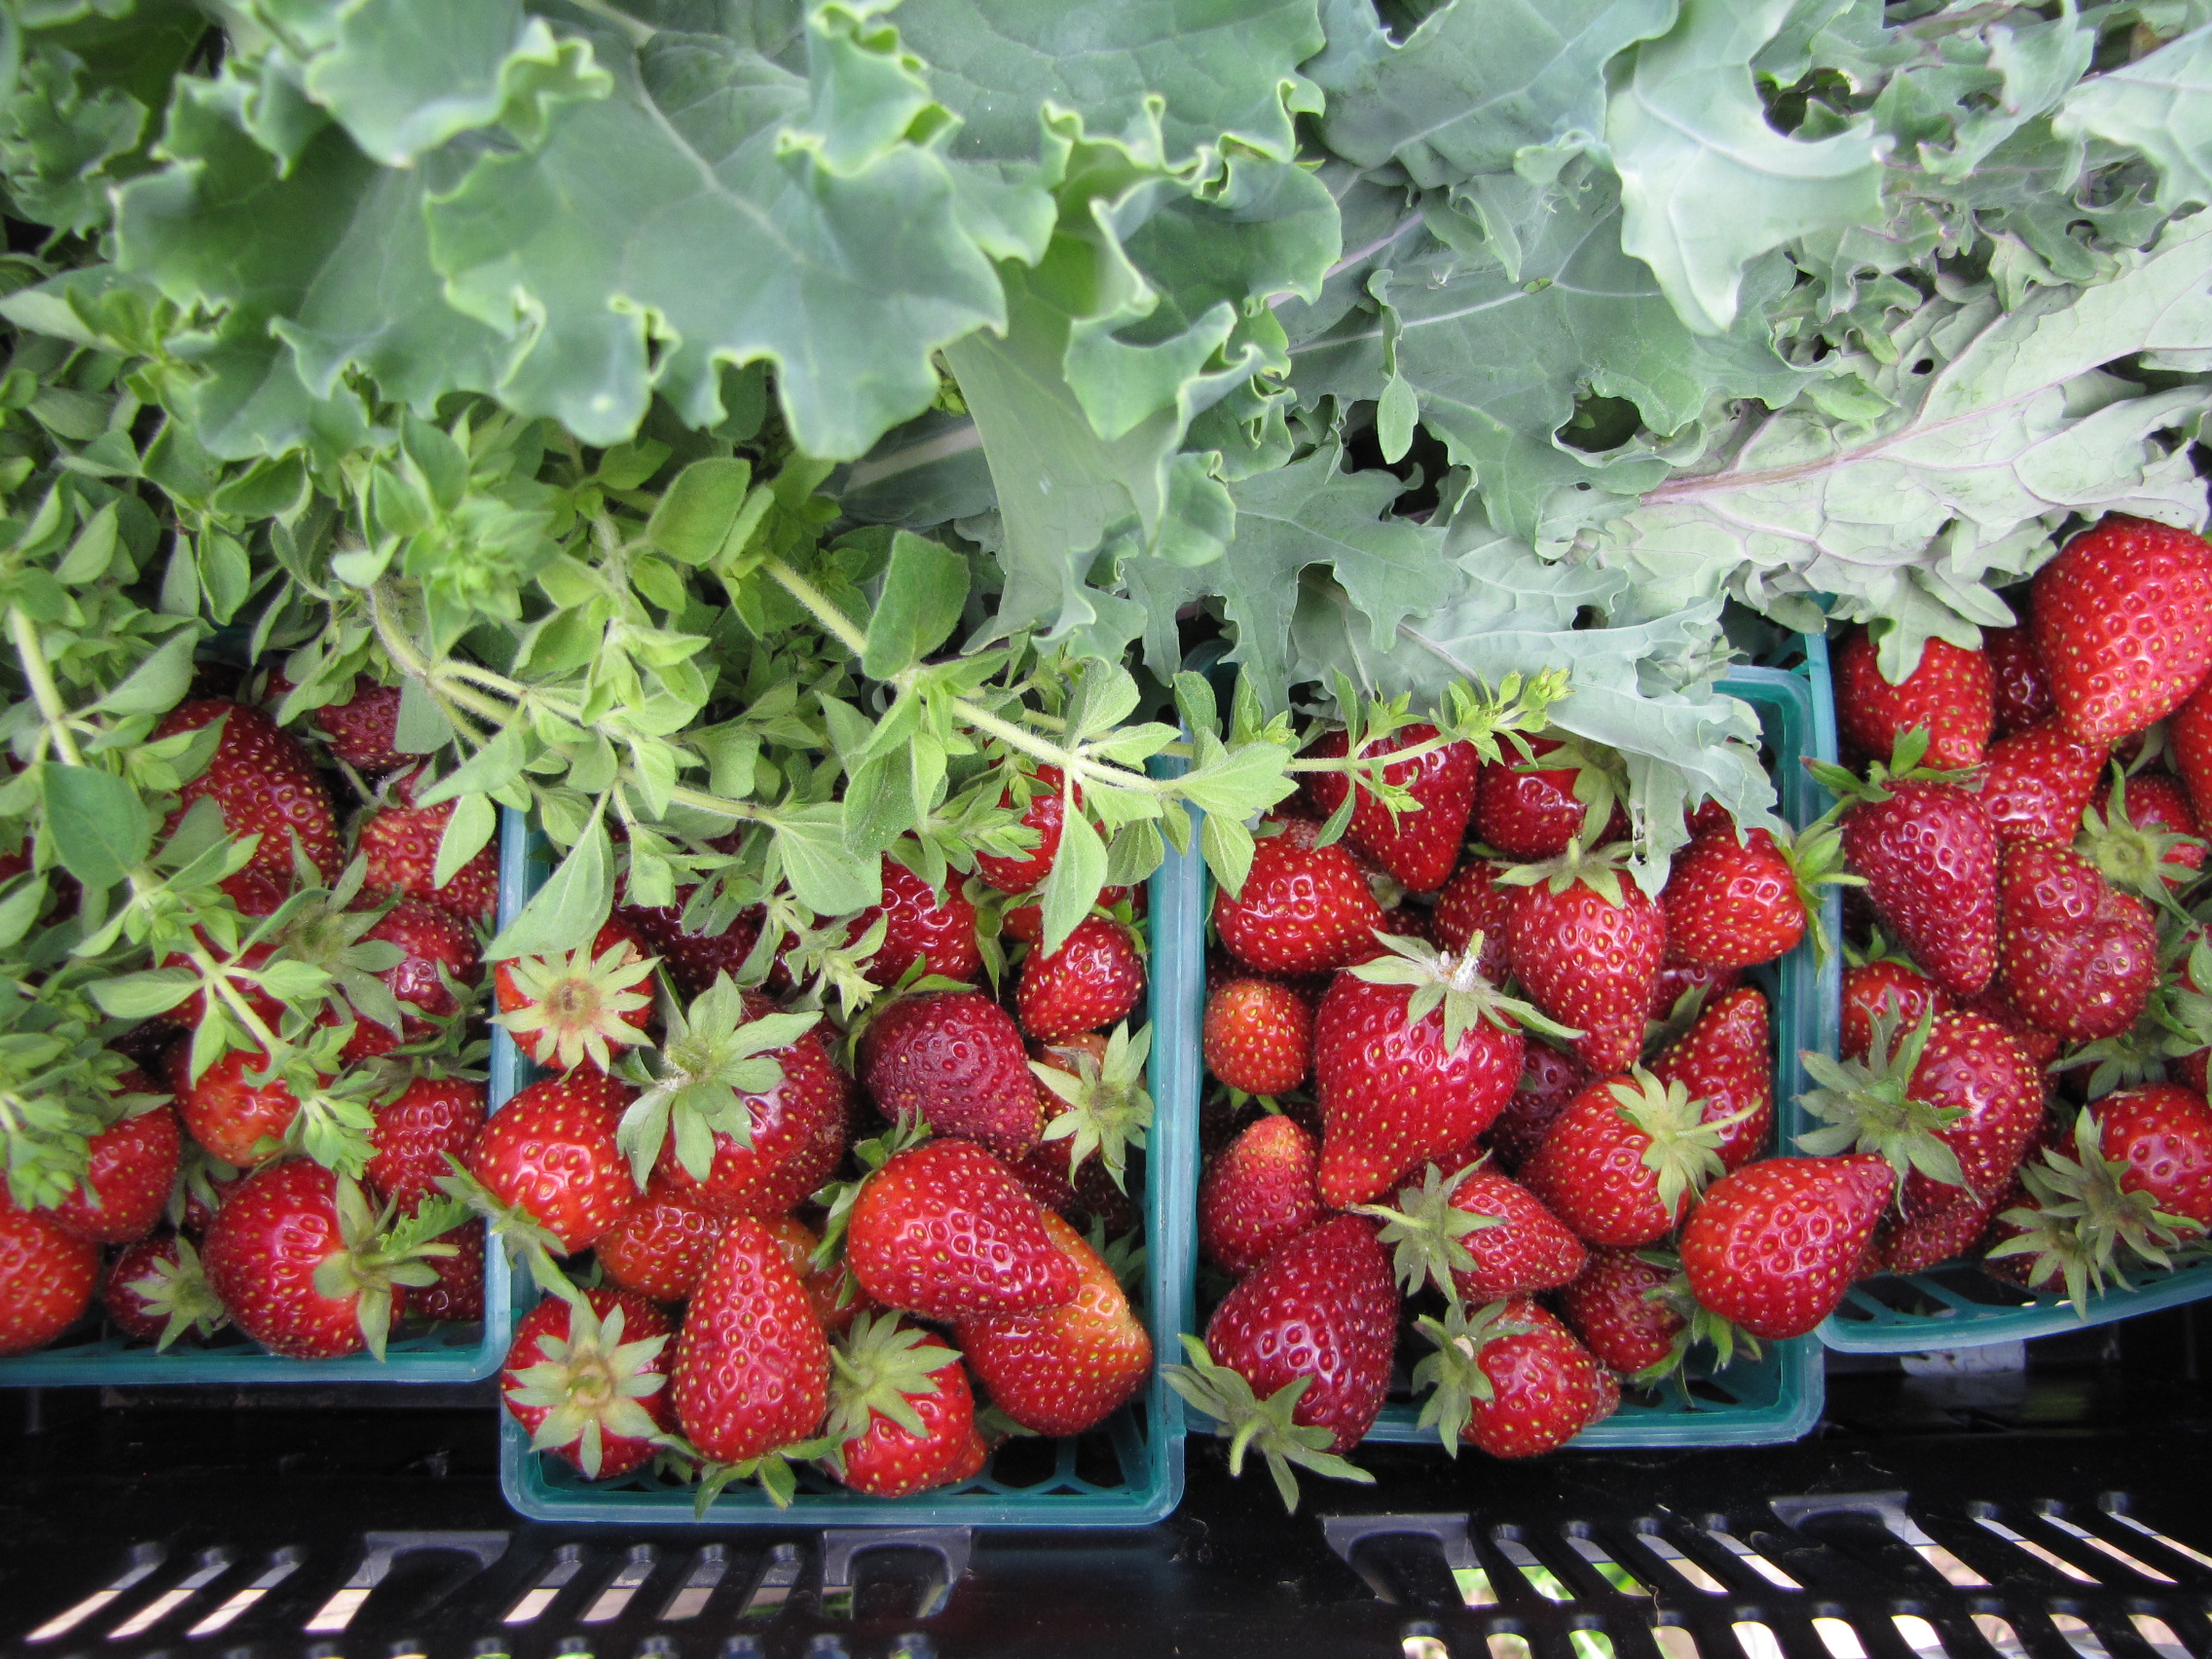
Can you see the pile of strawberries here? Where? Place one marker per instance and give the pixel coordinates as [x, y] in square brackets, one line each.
[879, 1250]
[290, 1196]
[2026, 1027]
[1525, 1078]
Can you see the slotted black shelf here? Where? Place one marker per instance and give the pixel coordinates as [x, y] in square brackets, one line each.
[2057, 1513]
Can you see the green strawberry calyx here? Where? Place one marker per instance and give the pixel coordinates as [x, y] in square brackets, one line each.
[2084, 1225]
[838, 1198]
[575, 1005]
[1251, 1423]
[527, 1239]
[1598, 869]
[1700, 1324]
[878, 1369]
[1683, 1150]
[1868, 1105]
[1105, 1110]
[703, 1080]
[1454, 1374]
[383, 1250]
[177, 1292]
[1453, 982]
[2136, 858]
[775, 1472]
[1427, 1232]
[590, 1383]
[1904, 767]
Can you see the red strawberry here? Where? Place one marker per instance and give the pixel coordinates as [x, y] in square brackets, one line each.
[1929, 854]
[1422, 844]
[1955, 1097]
[1528, 810]
[566, 1010]
[432, 1117]
[264, 785]
[660, 1246]
[1722, 1062]
[457, 1292]
[2038, 783]
[2191, 734]
[901, 1411]
[2021, 692]
[2135, 834]
[1045, 814]
[1549, 1079]
[1511, 1379]
[1913, 1246]
[46, 1279]
[693, 959]
[1258, 1036]
[127, 1184]
[824, 1285]
[1774, 1246]
[589, 1379]
[1303, 908]
[437, 947]
[1994, 1006]
[157, 1292]
[2123, 620]
[362, 729]
[751, 1366]
[1625, 1160]
[1733, 904]
[295, 1259]
[2079, 960]
[953, 1061]
[1473, 902]
[1063, 1370]
[1621, 1310]
[1025, 922]
[1678, 979]
[550, 1151]
[945, 1230]
[1258, 1191]
[1092, 982]
[1478, 1235]
[2162, 1134]
[1586, 946]
[921, 925]
[2083, 1215]
[1319, 1311]
[1886, 982]
[1413, 1057]
[1948, 695]
[1096, 1110]
[398, 841]
[240, 1121]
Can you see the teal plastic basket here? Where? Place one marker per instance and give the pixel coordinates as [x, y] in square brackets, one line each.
[451, 1352]
[1778, 1396]
[1128, 1473]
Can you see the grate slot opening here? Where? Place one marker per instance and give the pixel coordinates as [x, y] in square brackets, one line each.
[708, 1567]
[628, 1579]
[779, 1575]
[281, 1565]
[2028, 1546]
[1605, 1565]
[1919, 1635]
[1751, 1557]
[2114, 1513]
[1998, 1632]
[560, 1572]
[1542, 1578]
[1675, 1641]
[2079, 1636]
[1690, 1573]
[2159, 1636]
[1509, 1644]
[1840, 1636]
[2054, 1517]
[1424, 1644]
[1589, 1642]
[1756, 1638]
[139, 1566]
[212, 1566]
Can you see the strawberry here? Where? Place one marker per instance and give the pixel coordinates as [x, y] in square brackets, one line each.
[157, 1292]
[945, 1230]
[751, 1372]
[46, 1279]
[660, 1246]
[2143, 834]
[301, 1265]
[456, 1294]
[2038, 783]
[1774, 1246]
[1624, 1160]
[1586, 946]
[936, 930]
[901, 1410]
[1303, 908]
[1420, 843]
[1257, 1192]
[1092, 982]
[1722, 1062]
[240, 1121]
[2080, 959]
[1621, 1310]
[127, 1183]
[1549, 1079]
[588, 1377]
[398, 841]
[836, 1298]
[2123, 620]
[2020, 690]
[693, 958]
[551, 1154]
[2085, 1218]
[1679, 979]
[1884, 983]
[1478, 1235]
[564, 1010]
[362, 729]
[2162, 1134]
[439, 952]
[1948, 696]
[1735, 904]
[1025, 922]
[1413, 1057]
[1530, 811]
[1999, 1008]
[1258, 1037]
[264, 785]
[1063, 1370]
[1473, 902]
[1510, 1380]
[1045, 811]
[432, 1119]
[2190, 732]
[1913, 1246]
[1929, 854]
[953, 1061]
[1951, 1102]
[1096, 1111]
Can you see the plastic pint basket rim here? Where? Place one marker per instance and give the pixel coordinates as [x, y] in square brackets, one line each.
[1074, 1490]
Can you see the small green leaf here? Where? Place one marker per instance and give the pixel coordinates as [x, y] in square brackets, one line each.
[828, 880]
[158, 684]
[1394, 415]
[923, 592]
[570, 907]
[423, 725]
[469, 832]
[1079, 872]
[699, 517]
[99, 827]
